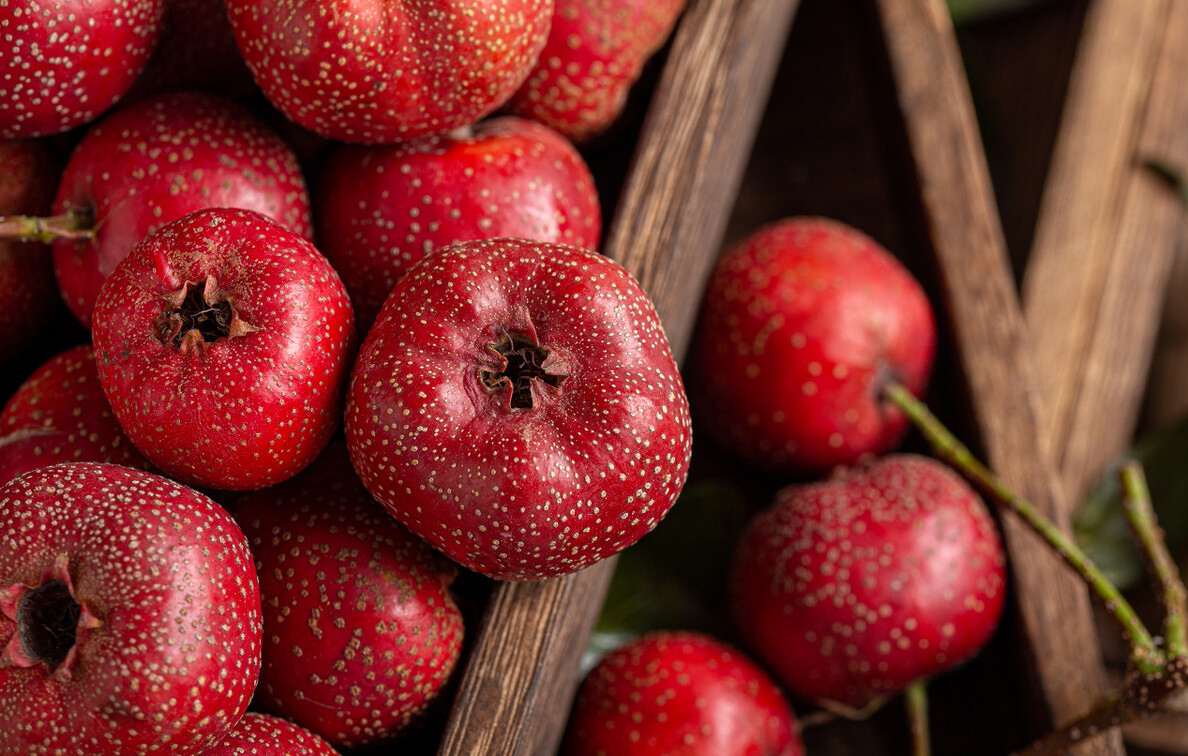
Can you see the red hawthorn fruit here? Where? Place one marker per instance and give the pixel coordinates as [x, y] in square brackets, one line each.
[129, 615]
[28, 174]
[264, 735]
[595, 52]
[151, 163]
[32, 448]
[381, 209]
[64, 62]
[801, 325]
[517, 406]
[223, 343]
[60, 414]
[360, 630]
[680, 692]
[378, 73]
[851, 589]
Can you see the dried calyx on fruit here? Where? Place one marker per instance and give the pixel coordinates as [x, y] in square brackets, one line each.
[52, 622]
[199, 315]
[524, 370]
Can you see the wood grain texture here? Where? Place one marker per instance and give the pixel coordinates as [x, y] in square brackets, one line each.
[1167, 399]
[987, 323]
[1094, 284]
[519, 681]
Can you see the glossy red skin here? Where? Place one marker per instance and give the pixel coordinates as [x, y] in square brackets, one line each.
[264, 735]
[360, 630]
[595, 52]
[851, 589]
[70, 418]
[197, 51]
[519, 494]
[28, 174]
[377, 73]
[64, 62]
[381, 209]
[680, 693]
[244, 411]
[801, 324]
[151, 163]
[173, 661]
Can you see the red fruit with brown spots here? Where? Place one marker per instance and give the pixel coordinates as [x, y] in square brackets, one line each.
[223, 342]
[680, 693]
[801, 325]
[381, 209]
[264, 735]
[129, 615]
[360, 630]
[851, 589]
[60, 414]
[63, 62]
[377, 73]
[28, 174]
[595, 53]
[517, 406]
[151, 163]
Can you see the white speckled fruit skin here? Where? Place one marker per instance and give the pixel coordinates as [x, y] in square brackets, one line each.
[520, 494]
[242, 412]
[266, 735]
[168, 573]
[64, 62]
[382, 72]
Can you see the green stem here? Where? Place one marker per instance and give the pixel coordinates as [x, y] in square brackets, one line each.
[1136, 502]
[1143, 653]
[916, 697]
[73, 224]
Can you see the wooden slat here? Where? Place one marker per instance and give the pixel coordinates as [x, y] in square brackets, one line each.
[520, 678]
[987, 325]
[1104, 250]
[1093, 289]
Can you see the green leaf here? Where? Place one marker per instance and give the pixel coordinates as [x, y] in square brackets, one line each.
[967, 11]
[676, 576]
[1100, 526]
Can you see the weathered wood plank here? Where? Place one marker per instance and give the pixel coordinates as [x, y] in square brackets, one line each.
[1095, 278]
[986, 319]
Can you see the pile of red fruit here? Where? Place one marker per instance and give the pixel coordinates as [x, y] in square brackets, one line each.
[350, 249]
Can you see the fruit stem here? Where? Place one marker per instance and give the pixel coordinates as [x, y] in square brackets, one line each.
[75, 224]
[916, 698]
[1143, 653]
[1136, 502]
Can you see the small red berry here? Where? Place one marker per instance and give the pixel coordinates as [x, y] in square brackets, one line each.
[60, 414]
[851, 589]
[802, 324]
[151, 163]
[382, 72]
[264, 735]
[381, 209]
[517, 406]
[360, 630]
[129, 615]
[595, 53]
[64, 62]
[680, 693]
[223, 342]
